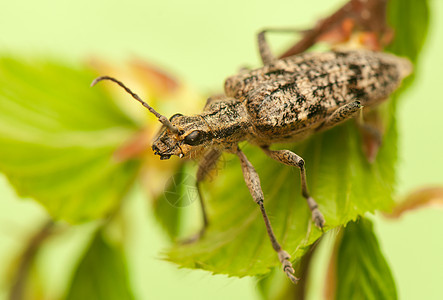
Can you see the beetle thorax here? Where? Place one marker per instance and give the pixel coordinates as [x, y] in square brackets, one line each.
[228, 120]
[224, 123]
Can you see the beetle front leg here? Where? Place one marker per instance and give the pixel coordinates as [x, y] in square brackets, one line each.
[206, 164]
[291, 159]
[253, 182]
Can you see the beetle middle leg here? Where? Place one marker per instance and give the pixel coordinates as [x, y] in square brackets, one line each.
[291, 159]
[253, 182]
[371, 126]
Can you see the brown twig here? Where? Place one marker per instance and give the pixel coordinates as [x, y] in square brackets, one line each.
[367, 15]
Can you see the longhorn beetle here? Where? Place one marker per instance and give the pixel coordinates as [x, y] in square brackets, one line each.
[286, 100]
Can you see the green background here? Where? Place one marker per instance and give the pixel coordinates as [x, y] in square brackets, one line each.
[202, 42]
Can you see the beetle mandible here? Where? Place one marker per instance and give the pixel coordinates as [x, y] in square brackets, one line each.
[286, 100]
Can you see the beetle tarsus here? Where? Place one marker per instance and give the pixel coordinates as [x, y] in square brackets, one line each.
[284, 258]
[318, 218]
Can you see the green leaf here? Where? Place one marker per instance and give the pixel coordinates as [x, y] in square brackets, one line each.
[276, 286]
[58, 136]
[101, 274]
[340, 179]
[410, 20]
[362, 271]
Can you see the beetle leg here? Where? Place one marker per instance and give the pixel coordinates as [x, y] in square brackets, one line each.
[206, 164]
[291, 159]
[263, 46]
[213, 99]
[253, 183]
[341, 114]
[371, 129]
[265, 51]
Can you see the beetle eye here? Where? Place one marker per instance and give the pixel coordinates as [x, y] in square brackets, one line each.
[194, 138]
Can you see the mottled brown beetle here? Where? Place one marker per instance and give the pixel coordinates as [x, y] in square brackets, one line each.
[284, 101]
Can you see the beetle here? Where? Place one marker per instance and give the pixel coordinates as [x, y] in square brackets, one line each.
[286, 100]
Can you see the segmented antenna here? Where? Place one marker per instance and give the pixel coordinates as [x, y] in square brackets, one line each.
[160, 117]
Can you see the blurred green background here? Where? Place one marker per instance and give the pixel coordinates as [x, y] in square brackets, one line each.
[202, 42]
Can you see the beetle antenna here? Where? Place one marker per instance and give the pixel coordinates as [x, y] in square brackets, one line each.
[160, 117]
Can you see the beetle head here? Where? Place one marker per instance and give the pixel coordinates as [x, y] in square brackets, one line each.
[192, 138]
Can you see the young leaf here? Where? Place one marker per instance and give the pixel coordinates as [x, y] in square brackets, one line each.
[361, 270]
[340, 179]
[58, 136]
[101, 274]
